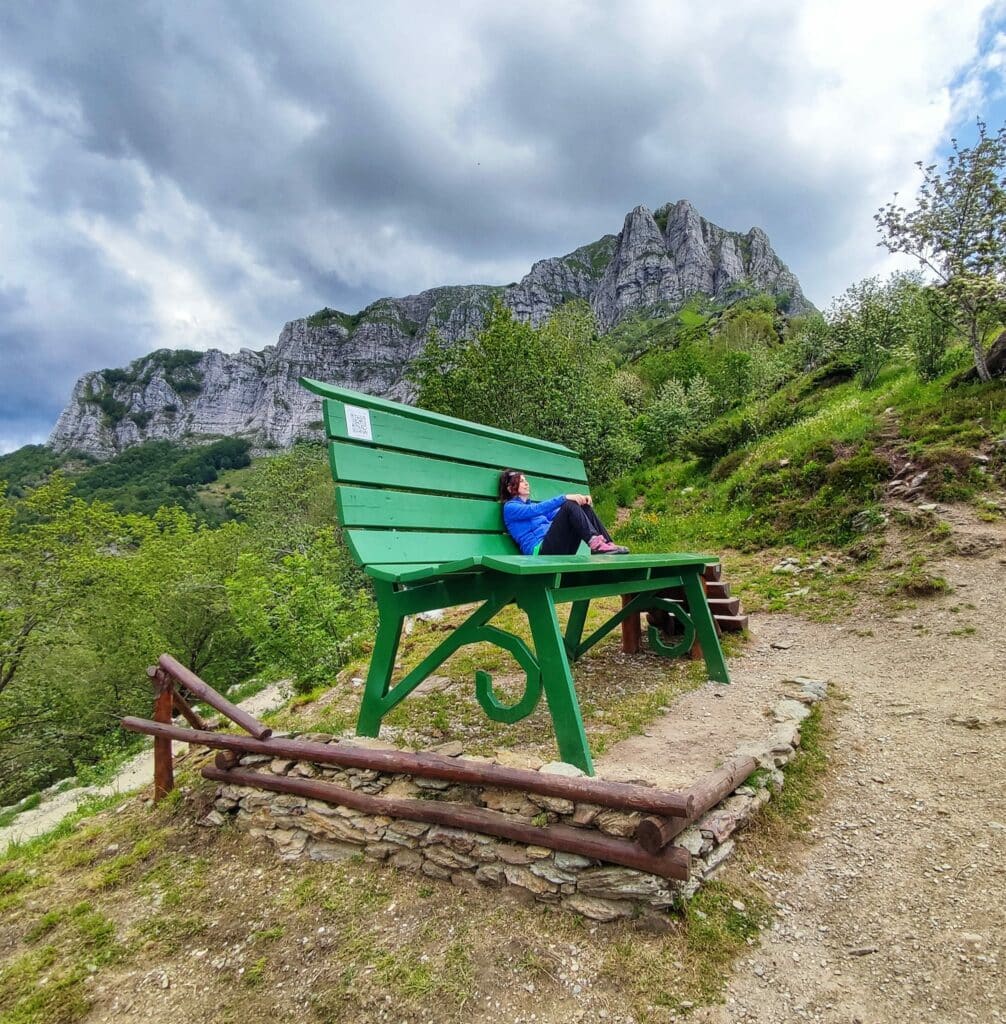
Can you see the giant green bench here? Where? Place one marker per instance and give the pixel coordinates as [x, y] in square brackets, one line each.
[416, 495]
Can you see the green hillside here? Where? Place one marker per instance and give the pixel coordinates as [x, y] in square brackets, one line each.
[143, 479]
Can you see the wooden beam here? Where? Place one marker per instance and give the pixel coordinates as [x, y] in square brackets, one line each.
[164, 775]
[622, 796]
[672, 863]
[632, 636]
[208, 695]
[654, 833]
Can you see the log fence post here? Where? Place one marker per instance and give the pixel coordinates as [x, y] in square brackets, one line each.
[164, 773]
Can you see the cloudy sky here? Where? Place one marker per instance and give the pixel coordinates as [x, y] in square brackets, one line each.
[194, 174]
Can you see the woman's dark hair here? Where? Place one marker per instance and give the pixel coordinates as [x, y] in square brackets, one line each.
[509, 480]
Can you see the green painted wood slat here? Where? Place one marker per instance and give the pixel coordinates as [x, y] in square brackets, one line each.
[367, 506]
[371, 546]
[422, 415]
[381, 467]
[400, 432]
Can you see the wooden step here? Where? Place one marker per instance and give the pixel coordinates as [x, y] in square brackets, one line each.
[714, 591]
[732, 623]
[712, 572]
[724, 606]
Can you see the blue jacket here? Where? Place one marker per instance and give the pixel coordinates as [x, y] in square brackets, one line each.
[528, 521]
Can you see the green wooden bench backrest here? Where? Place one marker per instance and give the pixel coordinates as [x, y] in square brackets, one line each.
[416, 487]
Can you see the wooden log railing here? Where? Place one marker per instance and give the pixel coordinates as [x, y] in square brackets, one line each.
[180, 674]
[654, 833]
[622, 796]
[669, 813]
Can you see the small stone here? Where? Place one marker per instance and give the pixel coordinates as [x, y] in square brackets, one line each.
[691, 840]
[585, 814]
[618, 823]
[572, 860]
[511, 853]
[863, 950]
[509, 802]
[213, 818]
[598, 909]
[445, 857]
[404, 789]
[555, 804]
[453, 748]
[490, 874]
[716, 859]
[517, 759]
[406, 860]
[525, 879]
[432, 784]
[781, 645]
[321, 850]
[788, 709]
[622, 883]
[550, 871]
[280, 766]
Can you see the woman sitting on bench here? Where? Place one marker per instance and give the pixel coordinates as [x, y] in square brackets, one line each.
[552, 527]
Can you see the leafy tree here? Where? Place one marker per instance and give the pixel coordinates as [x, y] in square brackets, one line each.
[871, 318]
[957, 231]
[812, 342]
[297, 615]
[558, 383]
[287, 500]
[929, 331]
[678, 410]
[52, 548]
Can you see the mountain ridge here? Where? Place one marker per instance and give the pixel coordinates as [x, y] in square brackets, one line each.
[658, 261]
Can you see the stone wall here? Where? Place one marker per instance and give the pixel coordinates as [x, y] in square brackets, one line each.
[301, 827]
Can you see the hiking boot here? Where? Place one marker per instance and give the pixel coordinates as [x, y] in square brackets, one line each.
[599, 546]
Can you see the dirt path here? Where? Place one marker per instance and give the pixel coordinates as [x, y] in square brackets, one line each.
[897, 910]
[136, 772]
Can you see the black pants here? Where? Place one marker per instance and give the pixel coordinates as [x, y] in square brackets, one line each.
[572, 524]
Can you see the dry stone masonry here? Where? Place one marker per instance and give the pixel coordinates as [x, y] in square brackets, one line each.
[300, 827]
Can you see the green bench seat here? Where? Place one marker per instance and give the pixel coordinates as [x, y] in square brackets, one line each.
[416, 495]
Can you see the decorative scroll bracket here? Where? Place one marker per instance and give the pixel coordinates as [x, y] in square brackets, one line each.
[493, 708]
[684, 645]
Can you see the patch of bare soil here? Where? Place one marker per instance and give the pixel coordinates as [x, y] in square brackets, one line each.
[705, 727]
[897, 910]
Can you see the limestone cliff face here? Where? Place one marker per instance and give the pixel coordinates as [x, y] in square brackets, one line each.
[656, 263]
[661, 260]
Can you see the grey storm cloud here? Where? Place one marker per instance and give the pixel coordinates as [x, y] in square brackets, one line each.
[195, 174]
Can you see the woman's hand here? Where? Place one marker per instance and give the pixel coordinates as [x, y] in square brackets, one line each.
[580, 499]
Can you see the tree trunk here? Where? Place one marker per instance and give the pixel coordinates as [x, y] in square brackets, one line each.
[994, 360]
[978, 348]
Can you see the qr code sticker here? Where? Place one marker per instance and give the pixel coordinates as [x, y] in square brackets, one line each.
[358, 423]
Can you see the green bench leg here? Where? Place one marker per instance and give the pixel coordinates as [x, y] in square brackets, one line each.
[382, 666]
[705, 628]
[557, 678]
[574, 627]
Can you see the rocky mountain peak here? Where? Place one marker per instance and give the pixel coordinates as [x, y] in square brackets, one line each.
[656, 263]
